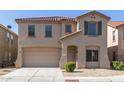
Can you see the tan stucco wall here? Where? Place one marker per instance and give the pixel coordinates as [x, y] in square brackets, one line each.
[79, 40]
[112, 45]
[6, 47]
[40, 39]
[121, 43]
[58, 30]
[118, 45]
[82, 41]
[110, 41]
[74, 27]
[110, 52]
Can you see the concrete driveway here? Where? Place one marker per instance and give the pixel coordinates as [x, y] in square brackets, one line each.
[34, 75]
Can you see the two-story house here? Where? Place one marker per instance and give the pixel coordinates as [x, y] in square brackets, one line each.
[53, 41]
[115, 40]
[8, 46]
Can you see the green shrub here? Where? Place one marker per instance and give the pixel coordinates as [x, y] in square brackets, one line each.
[117, 65]
[70, 66]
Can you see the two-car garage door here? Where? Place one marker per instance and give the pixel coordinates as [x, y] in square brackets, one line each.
[41, 57]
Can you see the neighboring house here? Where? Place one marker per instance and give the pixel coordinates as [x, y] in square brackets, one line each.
[8, 46]
[53, 41]
[116, 40]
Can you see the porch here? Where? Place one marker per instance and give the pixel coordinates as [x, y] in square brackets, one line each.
[84, 56]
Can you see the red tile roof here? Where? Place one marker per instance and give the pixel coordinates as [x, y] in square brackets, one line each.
[52, 18]
[115, 23]
[59, 18]
[7, 29]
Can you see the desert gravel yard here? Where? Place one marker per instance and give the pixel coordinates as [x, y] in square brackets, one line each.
[93, 73]
[4, 71]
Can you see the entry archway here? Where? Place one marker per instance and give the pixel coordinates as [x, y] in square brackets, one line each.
[72, 53]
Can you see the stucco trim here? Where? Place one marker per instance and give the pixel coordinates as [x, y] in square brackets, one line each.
[94, 12]
[69, 35]
[111, 26]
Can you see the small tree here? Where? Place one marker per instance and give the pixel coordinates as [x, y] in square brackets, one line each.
[117, 65]
[70, 66]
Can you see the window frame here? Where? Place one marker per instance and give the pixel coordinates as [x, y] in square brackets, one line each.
[30, 34]
[92, 56]
[95, 55]
[113, 36]
[66, 28]
[46, 35]
[96, 28]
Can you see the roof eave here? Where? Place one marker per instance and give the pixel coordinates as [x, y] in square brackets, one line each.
[69, 35]
[8, 29]
[108, 18]
[119, 25]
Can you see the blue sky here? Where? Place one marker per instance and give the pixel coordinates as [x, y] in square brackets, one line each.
[7, 17]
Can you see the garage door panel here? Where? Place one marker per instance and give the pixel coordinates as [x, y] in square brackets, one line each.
[41, 57]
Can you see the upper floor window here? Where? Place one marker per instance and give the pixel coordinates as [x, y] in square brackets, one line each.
[93, 28]
[113, 33]
[68, 28]
[48, 30]
[31, 30]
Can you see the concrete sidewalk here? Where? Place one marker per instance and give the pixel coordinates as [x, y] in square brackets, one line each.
[34, 75]
[96, 79]
[52, 75]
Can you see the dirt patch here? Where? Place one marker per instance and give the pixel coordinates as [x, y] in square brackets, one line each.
[4, 71]
[93, 73]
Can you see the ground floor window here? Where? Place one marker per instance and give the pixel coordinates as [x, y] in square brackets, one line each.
[92, 55]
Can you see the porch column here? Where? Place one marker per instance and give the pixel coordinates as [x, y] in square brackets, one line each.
[81, 63]
[18, 62]
[63, 58]
[104, 61]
